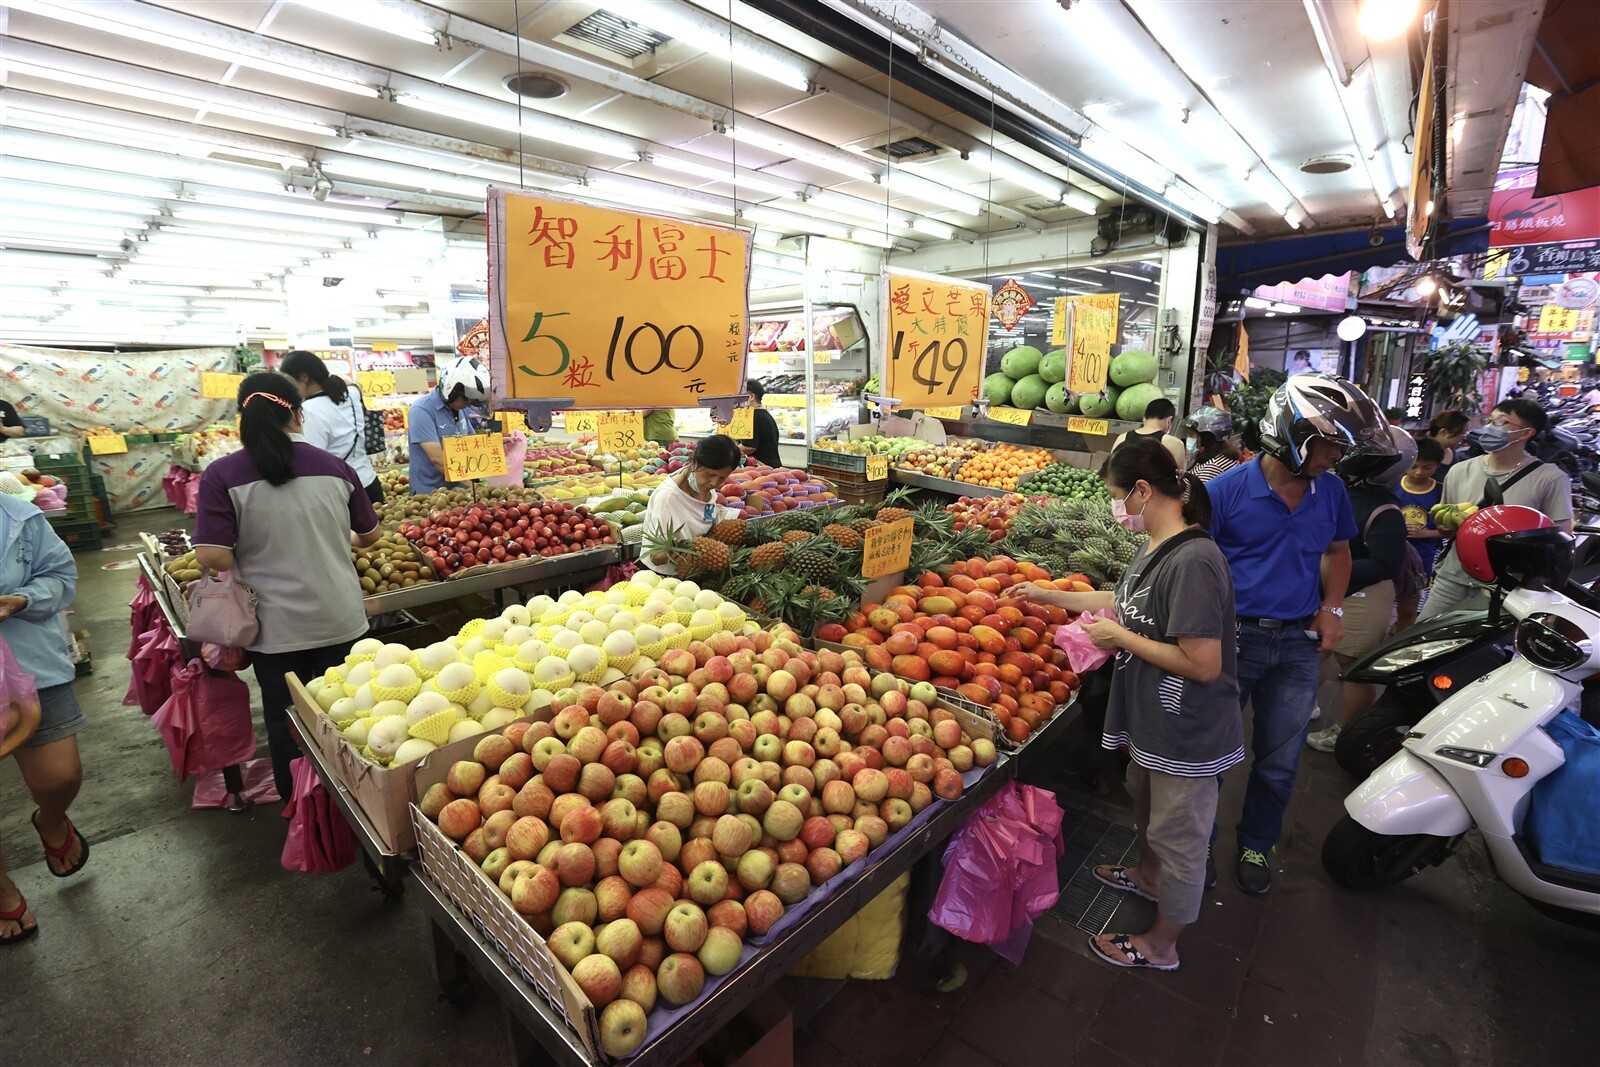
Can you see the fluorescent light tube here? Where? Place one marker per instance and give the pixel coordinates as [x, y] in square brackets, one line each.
[307, 207]
[726, 175]
[798, 223]
[499, 119]
[1014, 170]
[409, 177]
[374, 16]
[871, 237]
[683, 25]
[1080, 201]
[902, 182]
[618, 193]
[794, 150]
[1134, 277]
[933, 228]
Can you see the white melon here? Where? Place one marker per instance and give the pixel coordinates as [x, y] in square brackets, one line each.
[465, 728]
[385, 708]
[707, 599]
[566, 640]
[367, 646]
[550, 669]
[494, 630]
[386, 736]
[514, 681]
[647, 633]
[728, 610]
[617, 594]
[344, 712]
[688, 589]
[356, 732]
[673, 629]
[648, 579]
[516, 635]
[454, 676]
[423, 705]
[329, 695]
[619, 643]
[578, 619]
[531, 652]
[704, 617]
[538, 606]
[683, 605]
[627, 619]
[611, 676]
[669, 583]
[498, 717]
[359, 675]
[593, 632]
[364, 698]
[607, 612]
[480, 705]
[397, 676]
[391, 654]
[585, 658]
[644, 663]
[571, 596]
[651, 610]
[539, 698]
[413, 748]
[517, 615]
[437, 655]
[469, 651]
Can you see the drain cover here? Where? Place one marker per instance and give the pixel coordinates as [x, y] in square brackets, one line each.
[1084, 902]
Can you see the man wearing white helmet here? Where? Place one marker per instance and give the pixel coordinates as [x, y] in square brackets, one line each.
[439, 413]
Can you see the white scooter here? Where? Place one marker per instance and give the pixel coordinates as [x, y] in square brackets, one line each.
[1474, 760]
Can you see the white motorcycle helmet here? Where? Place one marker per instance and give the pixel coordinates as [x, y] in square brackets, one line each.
[468, 374]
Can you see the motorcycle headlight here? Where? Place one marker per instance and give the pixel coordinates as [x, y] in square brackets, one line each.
[1552, 642]
[1401, 658]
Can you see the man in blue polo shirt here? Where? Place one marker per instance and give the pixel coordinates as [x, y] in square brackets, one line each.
[1284, 524]
[439, 413]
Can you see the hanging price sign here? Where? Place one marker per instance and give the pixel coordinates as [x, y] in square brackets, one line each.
[1111, 302]
[877, 468]
[580, 421]
[938, 333]
[620, 430]
[1015, 416]
[886, 549]
[1090, 331]
[107, 444]
[943, 413]
[603, 303]
[214, 386]
[375, 384]
[474, 456]
[741, 427]
[1078, 424]
[512, 420]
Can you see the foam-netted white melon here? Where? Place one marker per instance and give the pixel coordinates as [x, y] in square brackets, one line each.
[531, 652]
[480, 705]
[669, 583]
[539, 698]
[551, 669]
[386, 736]
[707, 599]
[367, 646]
[626, 619]
[727, 610]
[391, 654]
[359, 676]
[538, 606]
[617, 594]
[593, 632]
[329, 694]
[356, 733]
[364, 697]
[514, 682]
[606, 613]
[344, 711]
[652, 610]
[413, 748]
[469, 649]
[578, 618]
[647, 633]
[688, 589]
[585, 658]
[704, 617]
[424, 705]
[566, 640]
[683, 605]
[515, 635]
[465, 728]
[498, 717]
[648, 579]
[673, 629]
[433, 658]
[494, 630]
[618, 644]
[385, 708]
[570, 597]
[640, 665]
[454, 676]
[397, 676]
[517, 615]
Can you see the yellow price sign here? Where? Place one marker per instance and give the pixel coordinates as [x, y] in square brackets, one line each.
[819, 358]
[938, 334]
[474, 456]
[943, 413]
[1078, 424]
[1015, 416]
[620, 430]
[375, 384]
[1093, 331]
[886, 549]
[512, 420]
[741, 427]
[214, 386]
[877, 468]
[1111, 302]
[785, 400]
[643, 311]
[107, 444]
[581, 421]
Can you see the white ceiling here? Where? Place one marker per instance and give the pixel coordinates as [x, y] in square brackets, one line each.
[190, 133]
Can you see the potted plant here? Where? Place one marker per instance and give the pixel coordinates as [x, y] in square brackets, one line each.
[1453, 373]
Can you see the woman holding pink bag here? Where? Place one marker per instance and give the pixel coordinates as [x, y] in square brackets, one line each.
[1174, 704]
[38, 581]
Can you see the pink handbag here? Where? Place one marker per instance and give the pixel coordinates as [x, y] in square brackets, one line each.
[222, 611]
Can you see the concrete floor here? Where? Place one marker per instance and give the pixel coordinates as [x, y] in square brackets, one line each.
[184, 941]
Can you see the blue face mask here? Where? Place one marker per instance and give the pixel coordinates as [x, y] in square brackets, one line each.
[1491, 438]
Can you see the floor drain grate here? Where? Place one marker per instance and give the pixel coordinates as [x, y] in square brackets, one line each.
[1085, 903]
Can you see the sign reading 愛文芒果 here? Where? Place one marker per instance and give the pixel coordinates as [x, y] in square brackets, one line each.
[938, 338]
[604, 305]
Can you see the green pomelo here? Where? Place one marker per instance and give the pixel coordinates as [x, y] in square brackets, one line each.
[1135, 398]
[1095, 405]
[997, 388]
[1029, 392]
[1021, 362]
[1133, 367]
[1057, 398]
[1053, 367]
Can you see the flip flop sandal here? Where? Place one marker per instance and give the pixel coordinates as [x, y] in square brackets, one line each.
[66, 847]
[15, 916]
[1118, 879]
[1130, 957]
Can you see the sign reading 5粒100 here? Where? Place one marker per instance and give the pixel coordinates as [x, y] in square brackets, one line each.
[938, 338]
[610, 307]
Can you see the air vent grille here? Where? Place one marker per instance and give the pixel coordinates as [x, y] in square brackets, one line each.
[615, 34]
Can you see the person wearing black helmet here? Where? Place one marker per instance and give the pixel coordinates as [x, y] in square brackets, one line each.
[1283, 522]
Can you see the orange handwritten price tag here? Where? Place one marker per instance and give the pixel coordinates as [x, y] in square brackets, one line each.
[1093, 331]
[741, 427]
[214, 386]
[375, 385]
[1015, 416]
[938, 334]
[1078, 424]
[474, 456]
[108, 444]
[620, 430]
[1111, 302]
[886, 549]
[877, 468]
[512, 420]
[943, 413]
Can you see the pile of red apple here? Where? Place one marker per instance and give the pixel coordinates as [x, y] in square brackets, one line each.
[497, 533]
[960, 630]
[993, 513]
[646, 829]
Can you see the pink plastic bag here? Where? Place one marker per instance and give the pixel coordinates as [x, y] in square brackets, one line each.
[191, 496]
[153, 665]
[18, 694]
[142, 613]
[206, 722]
[1082, 654]
[211, 792]
[617, 572]
[319, 840]
[1000, 870]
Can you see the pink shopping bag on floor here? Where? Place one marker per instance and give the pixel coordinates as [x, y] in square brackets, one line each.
[153, 665]
[319, 840]
[206, 723]
[142, 613]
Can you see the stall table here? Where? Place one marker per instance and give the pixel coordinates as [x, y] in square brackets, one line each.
[943, 485]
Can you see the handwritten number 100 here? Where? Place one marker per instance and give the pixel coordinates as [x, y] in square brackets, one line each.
[663, 357]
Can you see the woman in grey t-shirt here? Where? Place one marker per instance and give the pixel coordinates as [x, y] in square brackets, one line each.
[1174, 703]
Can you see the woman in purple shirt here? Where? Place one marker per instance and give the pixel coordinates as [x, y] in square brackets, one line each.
[283, 514]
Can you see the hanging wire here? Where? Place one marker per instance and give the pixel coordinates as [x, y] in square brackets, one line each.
[733, 113]
[516, 33]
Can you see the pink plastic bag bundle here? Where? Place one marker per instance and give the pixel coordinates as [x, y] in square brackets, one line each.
[210, 791]
[1000, 870]
[153, 665]
[174, 484]
[1081, 652]
[225, 657]
[319, 839]
[18, 694]
[617, 572]
[191, 496]
[142, 613]
[206, 722]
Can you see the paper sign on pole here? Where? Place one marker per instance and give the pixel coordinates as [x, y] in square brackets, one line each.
[620, 430]
[1090, 331]
[606, 305]
[886, 549]
[1111, 302]
[474, 456]
[741, 427]
[938, 338]
[375, 385]
[107, 444]
[214, 386]
[580, 422]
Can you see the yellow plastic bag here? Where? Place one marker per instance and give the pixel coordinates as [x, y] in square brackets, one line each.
[868, 945]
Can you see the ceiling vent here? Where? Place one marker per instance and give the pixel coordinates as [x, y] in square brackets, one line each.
[535, 85]
[617, 35]
[906, 150]
[1335, 164]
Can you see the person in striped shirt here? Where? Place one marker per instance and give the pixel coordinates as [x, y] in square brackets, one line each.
[1208, 437]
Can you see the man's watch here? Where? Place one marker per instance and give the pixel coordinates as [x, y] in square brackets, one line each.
[1337, 613]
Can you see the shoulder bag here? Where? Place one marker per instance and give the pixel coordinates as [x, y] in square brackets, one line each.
[222, 611]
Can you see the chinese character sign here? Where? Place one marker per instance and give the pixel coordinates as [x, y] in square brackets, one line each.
[886, 549]
[938, 334]
[1518, 217]
[612, 307]
[1087, 326]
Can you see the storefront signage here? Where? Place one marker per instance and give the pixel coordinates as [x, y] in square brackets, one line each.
[741, 427]
[1331, 292]
[938, 338]
[1416, 396]
[474, 456]
[785, 400]
[877, 468]
[1206, 316]
[1011, 302]
[1580, 257]
[1557, 321]
[108, 444]
[1087, 330]
[1078, 424]
[1517, 216]
[886, 549]
[410, 380]
[606, 305]
[1015, 416]
[620, 429]
[214, 386]
[1419, 196]
[1578, 293]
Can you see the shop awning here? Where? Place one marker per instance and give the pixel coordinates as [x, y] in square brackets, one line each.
[1242, 267]
[1566, 64]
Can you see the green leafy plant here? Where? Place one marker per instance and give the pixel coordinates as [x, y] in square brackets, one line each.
[1453, 372]
[1249, 399]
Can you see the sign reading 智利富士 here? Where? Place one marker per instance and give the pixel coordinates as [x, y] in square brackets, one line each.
[938, 337]
[608, 306]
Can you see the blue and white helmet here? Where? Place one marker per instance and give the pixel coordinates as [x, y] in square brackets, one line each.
[1307, 407]
[468, 373]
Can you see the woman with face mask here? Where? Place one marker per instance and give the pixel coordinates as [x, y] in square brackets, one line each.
[1174, 704]
[685, 505]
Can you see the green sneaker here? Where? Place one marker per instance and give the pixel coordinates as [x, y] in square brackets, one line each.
[1255, 876]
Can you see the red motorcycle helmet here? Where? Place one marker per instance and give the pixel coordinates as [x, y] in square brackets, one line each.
[1472, 540]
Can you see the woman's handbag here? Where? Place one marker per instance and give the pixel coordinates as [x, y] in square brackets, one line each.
[222, 611]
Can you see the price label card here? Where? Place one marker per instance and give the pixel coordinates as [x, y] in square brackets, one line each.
[938, 334]
[474, 456]
[214, 386]
[886, 549]
[107, 444]
[1015, 416]
[877, 468]
[819, 358]
[1078, 424]
[512, 420]
[375, 385]
[581, 421]
[785, 400]
[741, 427]
[1093, 331]
[1061, 326]
[943, 413]
[620, 430]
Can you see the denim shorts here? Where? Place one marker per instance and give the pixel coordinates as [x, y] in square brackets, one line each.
[59, 715]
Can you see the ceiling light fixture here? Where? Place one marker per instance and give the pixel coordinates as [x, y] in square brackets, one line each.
[1381, 20]
[374, 16]
[728, 175]
[293, 205]
[871, 237]
[627, 193]
[148, 140]
[794, 150]
[795, 223]
[902, 182]
[54, 156]
[933, 228]
[1079, 201]
[494, 115]
[1005, 167]
[686, 25]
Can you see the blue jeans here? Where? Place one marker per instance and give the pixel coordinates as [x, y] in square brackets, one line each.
[1278, 672]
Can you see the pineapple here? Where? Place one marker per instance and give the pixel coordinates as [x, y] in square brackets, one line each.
[814, 566]
[861, 526]
[933, 520]
[689, 556]
[730, 532]
[710, 555]
[843, 536]
[892, 514]
[794, 537]
[769, 555]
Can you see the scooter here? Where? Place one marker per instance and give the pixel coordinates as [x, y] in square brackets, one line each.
[1474, 760]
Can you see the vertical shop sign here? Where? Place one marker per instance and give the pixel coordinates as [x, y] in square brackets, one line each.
[938, 338]
[1416, 396]
[609, 306]
[1208, 311]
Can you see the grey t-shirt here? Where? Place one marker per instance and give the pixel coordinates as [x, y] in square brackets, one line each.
[1546, 488]
[1168, 723]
